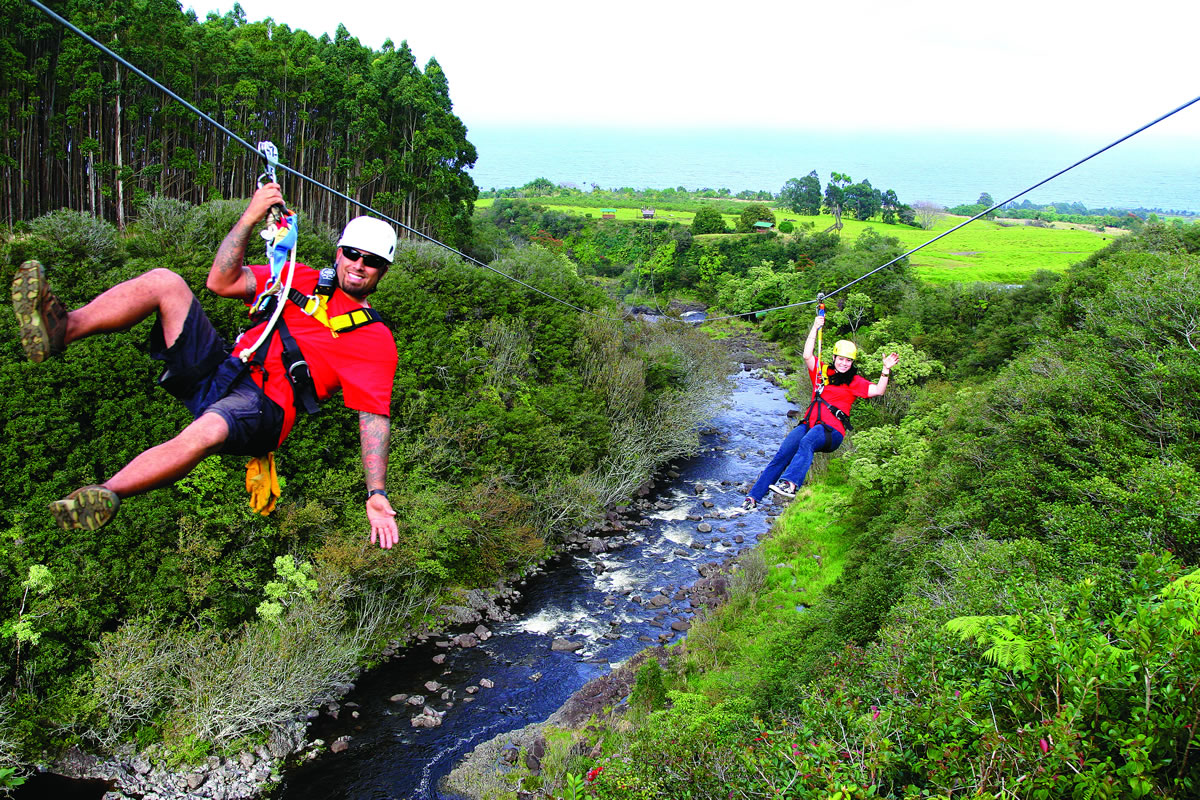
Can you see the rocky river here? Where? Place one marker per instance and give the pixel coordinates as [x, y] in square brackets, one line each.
[625, 588]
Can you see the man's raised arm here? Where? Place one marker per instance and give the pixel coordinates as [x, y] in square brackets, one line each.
[229, 277]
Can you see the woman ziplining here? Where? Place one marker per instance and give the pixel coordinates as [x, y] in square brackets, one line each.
[835, 388]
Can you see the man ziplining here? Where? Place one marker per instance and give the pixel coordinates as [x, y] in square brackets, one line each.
[325, 340]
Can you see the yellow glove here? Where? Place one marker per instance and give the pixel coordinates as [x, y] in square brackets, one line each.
[262, 483]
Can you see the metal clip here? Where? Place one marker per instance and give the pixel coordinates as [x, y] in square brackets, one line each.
[271, 153]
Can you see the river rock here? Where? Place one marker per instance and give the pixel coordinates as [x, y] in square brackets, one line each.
[432, 686]
[398, 698]
[428, 718]
[562, 645]
[471, 689]
[340, 745]
[658, 601]
[416, 700]
[486, 683]
[680, 625]
[440, 658]
[704, 527]
[246, 759]
[466, 640]
[483, 633]
[459, 615]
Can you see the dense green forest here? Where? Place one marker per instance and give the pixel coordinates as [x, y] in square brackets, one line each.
[1002, 597]
[514, 419]
[82, 133]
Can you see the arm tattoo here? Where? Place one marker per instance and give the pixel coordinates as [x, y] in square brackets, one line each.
[231, 257]
[374, 430]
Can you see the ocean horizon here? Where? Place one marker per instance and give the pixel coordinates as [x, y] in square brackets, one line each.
[1150, 170]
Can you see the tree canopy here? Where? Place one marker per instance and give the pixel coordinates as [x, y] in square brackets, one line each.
[755, 212]
[802, 195]
[708, 220]
[87, 135]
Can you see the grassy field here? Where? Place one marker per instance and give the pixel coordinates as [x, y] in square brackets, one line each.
[622, 213]
[985, 250]
[982, 251]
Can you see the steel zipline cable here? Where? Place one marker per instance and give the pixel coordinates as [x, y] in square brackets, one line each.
[279, 165]
[994, 206]
[109, 52]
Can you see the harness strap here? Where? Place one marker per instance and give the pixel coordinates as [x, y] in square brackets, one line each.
[821, 403]
[315, 308]
[304, 391]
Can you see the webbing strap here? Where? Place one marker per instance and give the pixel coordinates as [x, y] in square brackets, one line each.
[354, 319]
[304, 391]
[342, 323]
[820, 402]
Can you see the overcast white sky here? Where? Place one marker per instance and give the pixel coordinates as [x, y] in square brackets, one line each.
[1097, 68]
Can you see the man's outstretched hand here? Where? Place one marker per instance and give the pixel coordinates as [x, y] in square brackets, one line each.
[383, 521]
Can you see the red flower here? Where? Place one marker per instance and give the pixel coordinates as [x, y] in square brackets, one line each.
[593, 772]
[1044, 745]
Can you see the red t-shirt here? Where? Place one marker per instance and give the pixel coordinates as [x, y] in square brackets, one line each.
[361, 362]
[840, 397]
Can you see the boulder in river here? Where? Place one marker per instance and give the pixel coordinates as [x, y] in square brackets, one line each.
[562, 645]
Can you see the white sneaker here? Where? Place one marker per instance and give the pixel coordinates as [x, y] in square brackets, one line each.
[785, 488]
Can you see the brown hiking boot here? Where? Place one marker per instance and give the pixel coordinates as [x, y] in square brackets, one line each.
[86, 509]
[41, 317]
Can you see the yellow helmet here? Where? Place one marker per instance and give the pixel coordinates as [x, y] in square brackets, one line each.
[845, 348]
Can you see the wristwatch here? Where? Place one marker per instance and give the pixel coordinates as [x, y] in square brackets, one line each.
[374, 492]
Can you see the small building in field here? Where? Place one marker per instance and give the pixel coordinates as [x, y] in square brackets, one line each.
[763, 227]
[647, 213]
[608, 213]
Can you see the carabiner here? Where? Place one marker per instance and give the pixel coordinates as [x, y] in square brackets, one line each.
[271, 153]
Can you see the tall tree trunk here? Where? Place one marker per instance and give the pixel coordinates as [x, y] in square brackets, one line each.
[91, 167]
[120, 161]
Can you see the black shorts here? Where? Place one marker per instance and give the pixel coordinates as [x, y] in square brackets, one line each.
[200, 372]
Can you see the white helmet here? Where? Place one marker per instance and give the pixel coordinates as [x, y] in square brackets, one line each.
[370, 234]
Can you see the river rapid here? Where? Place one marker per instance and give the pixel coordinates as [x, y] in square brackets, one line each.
[611, 603]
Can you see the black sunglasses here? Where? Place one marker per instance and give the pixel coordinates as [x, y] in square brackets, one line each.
[369, 259]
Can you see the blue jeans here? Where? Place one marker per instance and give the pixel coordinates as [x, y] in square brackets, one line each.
[794, 457]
